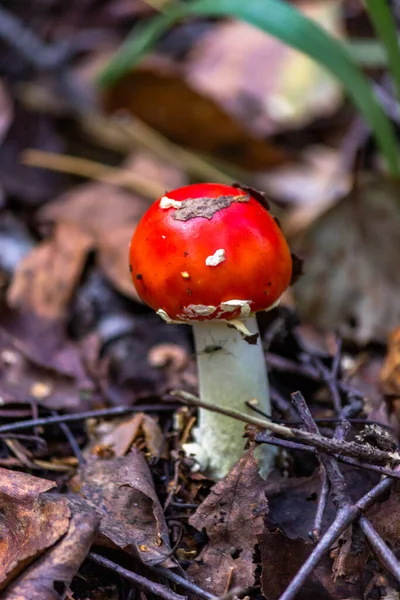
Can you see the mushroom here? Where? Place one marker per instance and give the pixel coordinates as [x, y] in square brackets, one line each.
[212, 255]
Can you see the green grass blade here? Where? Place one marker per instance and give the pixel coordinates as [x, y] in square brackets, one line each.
[283, 21]
[385, 27]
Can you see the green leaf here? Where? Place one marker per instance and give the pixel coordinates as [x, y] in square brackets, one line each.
[385, 27]
[283, 21]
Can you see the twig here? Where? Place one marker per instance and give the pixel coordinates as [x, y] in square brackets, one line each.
[340, 495]
[330, 377]
[83, 167]
[90, 414]
[352, 462]
[154, 588]
[28, 44]
[174, 484]
[306, 370]
[343, 519]
[315, 534]
[352, 449]
[71, 440]
[184, 583]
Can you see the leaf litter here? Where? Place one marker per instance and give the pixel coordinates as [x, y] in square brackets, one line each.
[75, 339]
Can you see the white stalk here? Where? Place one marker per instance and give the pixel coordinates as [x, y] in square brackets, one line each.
[231, 371]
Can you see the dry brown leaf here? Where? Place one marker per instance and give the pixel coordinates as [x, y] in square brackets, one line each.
[390, 373]
[95, 207]
[121, 490]
[112, 256]
[353, 552]
[235, 87]
[37, 360]
[351, 280]
[45, 279]
[49, 577]
[233, 516]
[30, 523]
[260, 80]
[108, 216]
[282, 557]
[119, 436]
[188, 118]
[310, 185]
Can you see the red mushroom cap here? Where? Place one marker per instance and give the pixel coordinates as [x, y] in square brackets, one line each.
[209, 251]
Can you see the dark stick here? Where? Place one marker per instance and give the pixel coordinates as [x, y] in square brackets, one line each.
[339, 492]
[342, 520]
[71, 440]
[184, 583]
[154, 588]
[315, 534]
[380, 548]
[330, 377]
[306, 370]
[353, 462]
[90, 414]
[353, 449]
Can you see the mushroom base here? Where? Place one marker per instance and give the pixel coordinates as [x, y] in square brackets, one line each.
[231, 371]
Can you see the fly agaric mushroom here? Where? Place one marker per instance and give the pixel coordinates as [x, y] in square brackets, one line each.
[212, 255]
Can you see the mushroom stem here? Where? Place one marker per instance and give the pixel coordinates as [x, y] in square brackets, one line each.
[231, 371]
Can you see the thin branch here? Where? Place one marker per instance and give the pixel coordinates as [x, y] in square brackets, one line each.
[154, 588]
[352, 462]
[184, 583]
[343, 519]
[315, 534]
[71, 440]
[339, 491]
[90, 414]
[352, 449]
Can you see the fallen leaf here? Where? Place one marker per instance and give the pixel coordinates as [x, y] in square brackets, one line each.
[112, 250]
[351, 280]
[188, 118]
[221, 98]
[119, 436]
[37, 360]
[30, 523]
[45, 279]
[228, 64]
[309, 185]
[49, 577]
[390, 373]
[109, 215]
[281, 559]
[121, 490]
[233, 516]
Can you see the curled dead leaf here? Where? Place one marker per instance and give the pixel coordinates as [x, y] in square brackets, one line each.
[45, 279]
[30, 523]
[233, 516]
[49, 577]
[119, 436]
[121, 490]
